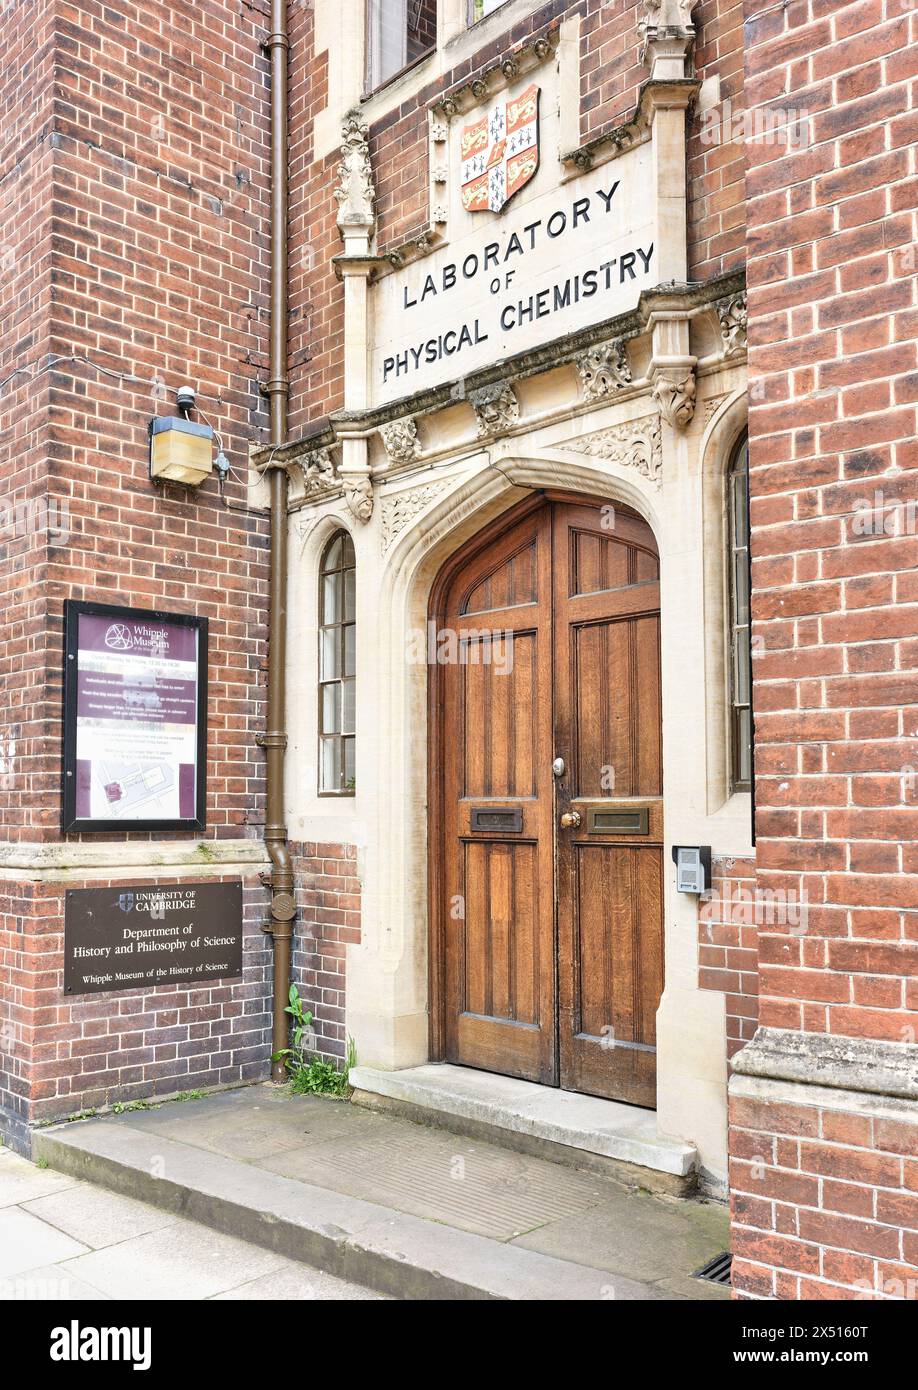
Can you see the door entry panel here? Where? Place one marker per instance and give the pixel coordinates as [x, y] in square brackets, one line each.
[550, 877]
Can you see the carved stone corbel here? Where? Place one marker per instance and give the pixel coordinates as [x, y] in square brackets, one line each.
[358, 494]
[732, 315]
[400, 438]
[603, 368]
[674, 392]
[496, 408]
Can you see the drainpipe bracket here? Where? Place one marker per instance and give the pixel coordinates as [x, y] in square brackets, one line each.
[275, 40]
[280, 931]
[271, 738]
[276, 386]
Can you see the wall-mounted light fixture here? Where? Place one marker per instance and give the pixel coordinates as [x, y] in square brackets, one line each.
[181, 450]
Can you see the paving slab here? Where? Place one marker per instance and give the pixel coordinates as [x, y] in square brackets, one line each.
[258, 1129]
[95, 1217]
[359, 1241]
[48, 1284]
[20, 1180]
[291, 1281]
[26, 1242]
[182, 1256]
[442, 1177]
[638, 1235]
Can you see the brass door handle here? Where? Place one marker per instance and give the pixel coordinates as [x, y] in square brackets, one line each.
[571, 819]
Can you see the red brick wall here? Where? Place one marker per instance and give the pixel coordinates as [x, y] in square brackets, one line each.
[833, 385]
[328, 897]
[824, 1203]
[728, 957]
[26, 159]
[63, 1054]
[716, 146]
[133, 231]
[832, 422]
[144, 250]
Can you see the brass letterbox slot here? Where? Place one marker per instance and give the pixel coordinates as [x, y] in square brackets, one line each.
[629, 820]
[506, 818]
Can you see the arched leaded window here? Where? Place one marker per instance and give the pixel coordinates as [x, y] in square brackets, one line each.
[337, 666]
[740, 650]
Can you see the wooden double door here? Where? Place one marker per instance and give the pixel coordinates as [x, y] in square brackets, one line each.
[546, 866]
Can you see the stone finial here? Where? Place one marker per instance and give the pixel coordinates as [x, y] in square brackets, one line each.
[400, 438]
[355, 193]
[666, 14]
[603, 368]
[666, 31]
[674, 392]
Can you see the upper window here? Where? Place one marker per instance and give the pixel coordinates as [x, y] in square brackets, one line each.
[337, 666]
[740, 648]
[479, 8]
[398, 33]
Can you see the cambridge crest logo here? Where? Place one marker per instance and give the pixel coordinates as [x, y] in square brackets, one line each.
[500, 152]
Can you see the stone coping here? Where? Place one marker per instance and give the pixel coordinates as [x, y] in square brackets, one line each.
[817, 1059]
[61, 861]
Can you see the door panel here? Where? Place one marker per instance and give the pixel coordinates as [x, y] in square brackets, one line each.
[608, 728]
[552, 936]
[497, 815]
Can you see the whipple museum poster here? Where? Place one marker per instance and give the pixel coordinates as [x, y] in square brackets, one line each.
[135, 709]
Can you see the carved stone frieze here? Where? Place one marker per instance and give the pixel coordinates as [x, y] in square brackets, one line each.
[712, 405]
[635, 444]
[603, 368]
[400, 438]
[732, 315]
[319, 473]
[496, 407]
[398, 511]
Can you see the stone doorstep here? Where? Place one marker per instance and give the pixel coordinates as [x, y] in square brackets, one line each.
[604, 1135]
[362, 1242]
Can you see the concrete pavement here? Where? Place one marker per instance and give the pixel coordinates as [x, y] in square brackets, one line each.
[382, 1202]
[62, 1240]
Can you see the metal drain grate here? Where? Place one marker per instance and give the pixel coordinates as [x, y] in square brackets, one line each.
[716, 1271]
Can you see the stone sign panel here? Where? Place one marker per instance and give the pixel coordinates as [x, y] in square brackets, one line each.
[514, 274]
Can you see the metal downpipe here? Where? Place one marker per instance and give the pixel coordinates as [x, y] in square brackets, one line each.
[277, 388]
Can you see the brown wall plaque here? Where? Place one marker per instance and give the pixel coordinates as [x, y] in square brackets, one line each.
[138, 935]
